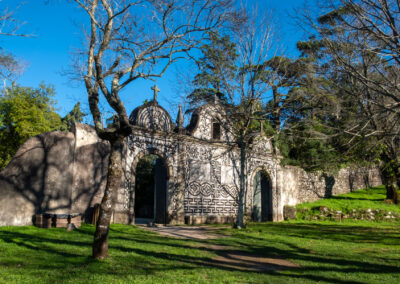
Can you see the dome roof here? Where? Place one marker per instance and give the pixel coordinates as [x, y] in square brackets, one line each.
[151, 116]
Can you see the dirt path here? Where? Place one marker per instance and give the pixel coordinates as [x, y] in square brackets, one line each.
[227, 257]
[186, 232]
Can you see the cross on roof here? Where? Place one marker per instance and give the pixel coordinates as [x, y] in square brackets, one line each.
[156, 90]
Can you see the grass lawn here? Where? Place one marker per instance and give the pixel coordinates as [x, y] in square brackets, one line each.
[328, 252]
[372, 198]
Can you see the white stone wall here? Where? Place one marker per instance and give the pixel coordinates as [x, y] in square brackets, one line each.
[298, 186]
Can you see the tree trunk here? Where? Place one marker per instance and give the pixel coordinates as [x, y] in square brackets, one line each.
[276, 112]
[114, 175]
[391, 181]
[392, 192]
[390, 170]
[242, 187]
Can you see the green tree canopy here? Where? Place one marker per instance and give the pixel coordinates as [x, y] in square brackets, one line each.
[25, 112]
[74, 116]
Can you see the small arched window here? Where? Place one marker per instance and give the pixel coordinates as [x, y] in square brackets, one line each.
[216, 130]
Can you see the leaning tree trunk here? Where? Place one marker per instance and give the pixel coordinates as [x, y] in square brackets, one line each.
[242, 185]
[114, 175]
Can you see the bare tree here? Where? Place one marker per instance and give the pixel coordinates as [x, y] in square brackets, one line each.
[360, 42]
[10, 67]
[130, 40]
[9, 24]
[256, 41]
[233, 70]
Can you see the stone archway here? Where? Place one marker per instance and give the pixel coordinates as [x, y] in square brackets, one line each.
[262, 205]
[162, 172]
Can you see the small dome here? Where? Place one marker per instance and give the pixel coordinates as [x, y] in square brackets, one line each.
[151, 116]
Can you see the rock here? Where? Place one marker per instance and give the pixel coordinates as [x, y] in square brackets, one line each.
[323, 209]
[152, 224]
[289, 212]
[71, 227]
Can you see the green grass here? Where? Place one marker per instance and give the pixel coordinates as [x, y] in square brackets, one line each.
[372, 198]
[328, 252]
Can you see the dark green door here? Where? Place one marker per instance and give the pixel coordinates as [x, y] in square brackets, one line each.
[262, 198]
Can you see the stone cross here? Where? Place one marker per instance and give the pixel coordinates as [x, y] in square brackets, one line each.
[156, 90]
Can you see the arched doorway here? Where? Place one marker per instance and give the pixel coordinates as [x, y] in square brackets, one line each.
[151, 176]
[262, 197]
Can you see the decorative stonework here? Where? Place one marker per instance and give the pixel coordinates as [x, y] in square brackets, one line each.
[209, 172]
[206, 189]
[202, 120]
[262, 146]
[201, 171]
[153, 117]
[69, 170]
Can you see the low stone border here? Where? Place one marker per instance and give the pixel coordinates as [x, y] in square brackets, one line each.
[325, 213]
[49, 220]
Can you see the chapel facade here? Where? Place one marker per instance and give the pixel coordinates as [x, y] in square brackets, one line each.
[195, 178]
[201, 168]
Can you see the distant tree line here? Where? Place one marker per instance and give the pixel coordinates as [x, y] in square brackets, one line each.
[335, 105]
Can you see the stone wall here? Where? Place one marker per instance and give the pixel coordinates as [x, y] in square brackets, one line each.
[298, 186]
[55, 172]
[89, 170]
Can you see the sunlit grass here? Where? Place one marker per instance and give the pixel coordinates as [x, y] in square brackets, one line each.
[329, 252]
[372, 198]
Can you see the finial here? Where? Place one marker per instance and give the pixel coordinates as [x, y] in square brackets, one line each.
[180, 119]
[261, 127]
[156, 90]
[215, 98]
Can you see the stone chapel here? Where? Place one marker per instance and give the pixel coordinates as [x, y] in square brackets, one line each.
[195, 173]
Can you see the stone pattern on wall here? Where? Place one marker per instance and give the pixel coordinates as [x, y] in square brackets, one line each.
[204, 198]
[204, 118]
[198, 206]
[210, 181]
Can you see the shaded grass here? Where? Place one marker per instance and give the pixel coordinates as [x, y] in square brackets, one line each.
[328, 252]
[371, 198]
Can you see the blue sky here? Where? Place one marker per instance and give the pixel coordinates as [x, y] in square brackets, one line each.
[47, 54]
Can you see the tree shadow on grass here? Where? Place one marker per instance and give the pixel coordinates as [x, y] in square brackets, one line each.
[333, 232]
[132, 246]
[295, 253]
[41, 243]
